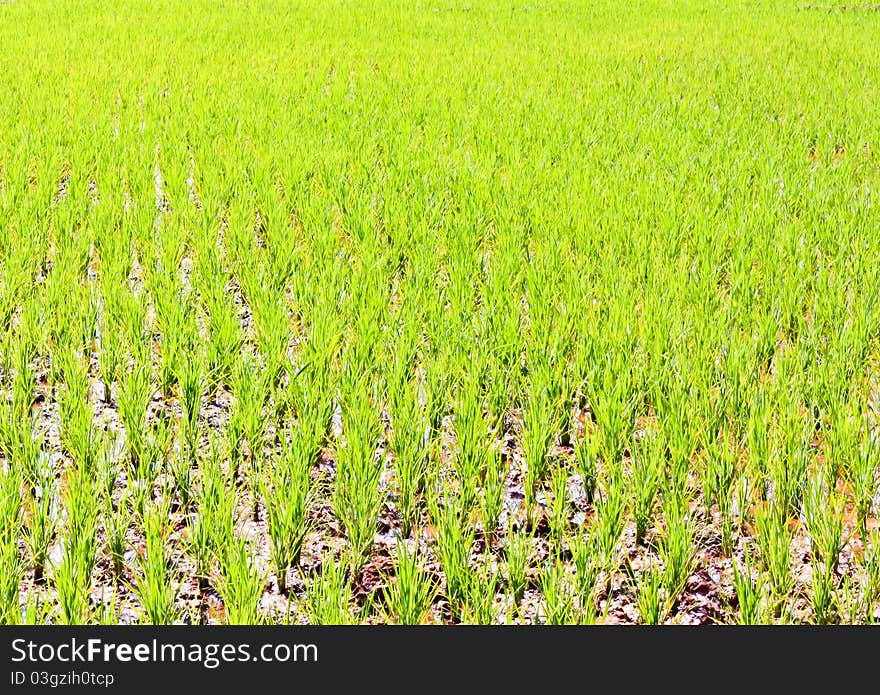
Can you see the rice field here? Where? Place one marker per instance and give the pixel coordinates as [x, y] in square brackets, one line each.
[444, 311]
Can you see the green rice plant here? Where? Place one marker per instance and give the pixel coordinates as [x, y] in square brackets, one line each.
[11, 574]
[587, 567]
[311, 393]
[479, 606]
[822, 587]
[329, 598]
[72, 576]
[285, 490]
[156, 586]
[774, 542]
[502, 381]
[224, 344]
[492, 499]
[357, 497]
[240, 583]
[175, 314]
[41, 522]
[437, 392]
[586, 450]
[848, 606]
[540, 427]
[212, 522]
[651, 596]
[643, 484]
[759, 444]
[858, 457]
[454, 541]
[558, 505]
[77, 433]
[271, 321]
[719, 476]
[749, 593]
[871, 575]
[107, 469]
[135, 393]
[141, 487]
[613, 408]
[250, 389]
[678, 425]
[11, 563]
[517, 555]
[609, 522]
[111, 353]
[471, 433]
[789, 464]
[156, 461]
[824, 516]
[106, 613]
[225, 337]
[27, 458]
[559, 605]
[409, 441]
[16, 409]
[180, 467]
[190, 380]
[676, 548]
[117, 521]
[409, 594]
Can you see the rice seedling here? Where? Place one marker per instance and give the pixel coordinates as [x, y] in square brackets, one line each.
[518, 554]
[719, 478]
[823, 512]
[156, 586]
[408, 596]
[586, 449]
[557, 507]
[75, 412]
[410, 444]
[240, 583]
[559, 603]
[454, 541]
[13, 571]
[329, 598]
[357, 497]
[285, 490]
[644, 485]
[676, 548]
[117, 521]
[72, 575]
[822, 594]
[135, 392]
[609, 522]
[479, 606]
[492, 500]
[650, 596]
[12, 566]
[41, 523]
[471, 433]
[774, 542]
[871, 579]
[191, 383]
[246, 421]
[858, 457]
[586, 576]
[540, 428]
[749, 593]
[212, 526]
